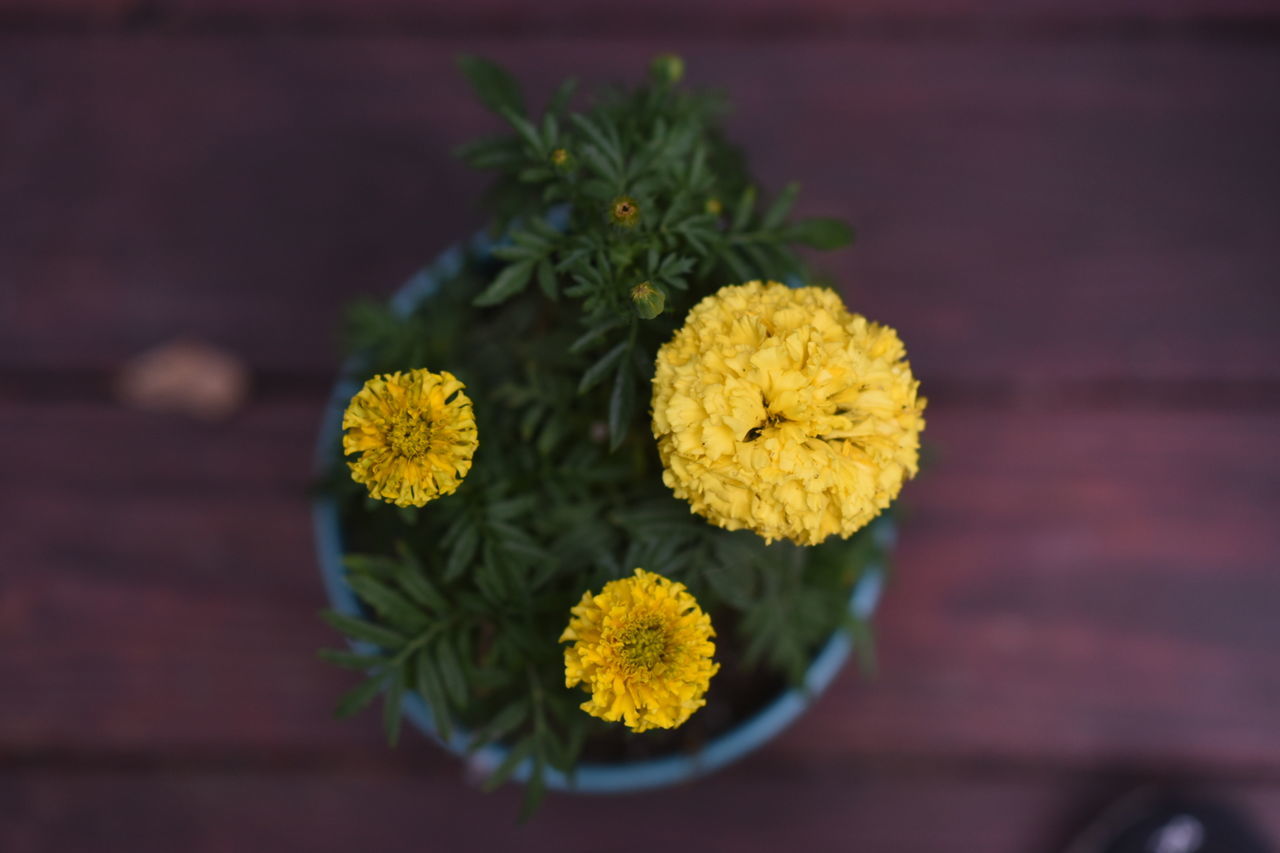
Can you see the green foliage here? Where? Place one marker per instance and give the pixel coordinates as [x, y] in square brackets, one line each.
[697, 214]
[497, 89]
[464, 600]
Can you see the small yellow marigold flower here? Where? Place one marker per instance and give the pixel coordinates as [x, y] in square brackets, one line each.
[560, 157]
[415, 433]
[779, 411]
[624, 211]
[643, 648]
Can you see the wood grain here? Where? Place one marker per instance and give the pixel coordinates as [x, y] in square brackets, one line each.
[1074, 588]
[1066, 581]
[740, 18]
[292, 812]
[758, 809]
[1067, 209]
[1029, 213]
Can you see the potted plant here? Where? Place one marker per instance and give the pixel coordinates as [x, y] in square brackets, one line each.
[604, 490]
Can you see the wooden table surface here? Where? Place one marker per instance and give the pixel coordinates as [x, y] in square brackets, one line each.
[1070, 210]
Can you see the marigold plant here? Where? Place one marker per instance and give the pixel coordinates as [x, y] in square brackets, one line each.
[644, 400]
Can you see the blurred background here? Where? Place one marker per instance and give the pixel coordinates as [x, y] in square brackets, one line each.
[1069, 210]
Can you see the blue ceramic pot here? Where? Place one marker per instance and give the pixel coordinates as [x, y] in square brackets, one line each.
[588, 778]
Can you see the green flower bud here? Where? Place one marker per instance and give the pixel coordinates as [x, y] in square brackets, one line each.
[648, 300]
[667, 68]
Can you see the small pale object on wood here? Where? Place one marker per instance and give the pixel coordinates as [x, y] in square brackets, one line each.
[185, 376]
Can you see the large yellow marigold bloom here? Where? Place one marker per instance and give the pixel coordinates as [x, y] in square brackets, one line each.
[643, 648]
[779, 411]
[415, 433]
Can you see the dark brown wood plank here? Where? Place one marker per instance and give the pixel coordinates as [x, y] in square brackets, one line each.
[754, 809]
[739, 812]
[1089, 589]
[80, 13]
[1076, 588]
[656, 17]
[1030, 212]
[166, 580]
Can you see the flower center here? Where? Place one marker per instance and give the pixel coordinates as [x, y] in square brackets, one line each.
[644, 643]
[625, 211]
[410, 434]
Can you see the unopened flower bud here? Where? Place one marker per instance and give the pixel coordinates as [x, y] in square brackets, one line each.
[649, 301]
[667, 68]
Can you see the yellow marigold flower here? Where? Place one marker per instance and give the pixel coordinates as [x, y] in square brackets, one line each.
[415, 434]
[779, 411]
[643, 648]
